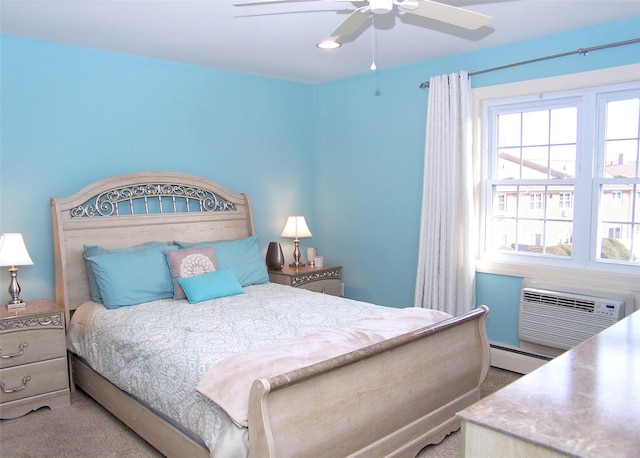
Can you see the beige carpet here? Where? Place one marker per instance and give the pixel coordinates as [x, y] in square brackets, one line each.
[87, 430]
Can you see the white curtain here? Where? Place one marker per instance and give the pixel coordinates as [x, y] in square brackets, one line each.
[446, 271]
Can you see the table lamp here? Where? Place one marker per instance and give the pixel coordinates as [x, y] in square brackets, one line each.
[296, 228]
[13, 252]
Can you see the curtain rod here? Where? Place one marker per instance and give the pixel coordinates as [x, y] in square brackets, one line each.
[583, 51]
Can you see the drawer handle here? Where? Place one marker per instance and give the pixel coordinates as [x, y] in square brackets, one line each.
[21, 347]
[25, 379]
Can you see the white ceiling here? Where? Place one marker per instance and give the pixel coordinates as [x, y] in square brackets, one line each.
[278, 40]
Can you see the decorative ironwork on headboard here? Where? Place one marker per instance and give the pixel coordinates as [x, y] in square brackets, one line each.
[152, 198]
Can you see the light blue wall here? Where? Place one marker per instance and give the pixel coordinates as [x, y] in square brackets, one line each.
[502, 294]
[347, 154]
[71, 116]
[369, 177]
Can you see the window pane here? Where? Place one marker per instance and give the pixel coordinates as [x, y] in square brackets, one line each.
[622, 119]
[505, 201]
[535, 128]
[560, 206]
[563, 161]
[617, 223]
[621, 158]
[622, 125]
[531, 201]
[559, 238]
[536, 155]
[503, 234]
[611, 247]
[508, 163]
[509, 130]
[564, 125]
[533, 219]
[535, 162]
[635, 243]
[530, 236]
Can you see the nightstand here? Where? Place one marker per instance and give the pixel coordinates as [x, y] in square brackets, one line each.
[327, 279]
[33, 358]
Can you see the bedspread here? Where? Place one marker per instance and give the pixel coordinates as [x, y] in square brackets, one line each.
[159, 351]
[229, 382]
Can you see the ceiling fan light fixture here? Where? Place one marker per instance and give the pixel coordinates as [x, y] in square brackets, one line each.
[380, 6]
[328, 44]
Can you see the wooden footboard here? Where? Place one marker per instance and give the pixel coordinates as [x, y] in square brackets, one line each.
[389, 399]
[165, 437]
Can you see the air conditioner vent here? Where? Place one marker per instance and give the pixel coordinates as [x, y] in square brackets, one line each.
[562, 319]
[549, 298]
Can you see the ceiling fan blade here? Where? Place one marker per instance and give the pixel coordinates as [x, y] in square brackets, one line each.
[265, 2]
[446, 13]
[352, 23]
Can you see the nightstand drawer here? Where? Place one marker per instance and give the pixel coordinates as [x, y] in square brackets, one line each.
[33, 358]
[33, 379]
[23, 347]
[333, 287]
[327, 279]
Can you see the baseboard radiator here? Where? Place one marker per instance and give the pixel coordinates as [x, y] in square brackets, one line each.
[557, 317]
[514, 359]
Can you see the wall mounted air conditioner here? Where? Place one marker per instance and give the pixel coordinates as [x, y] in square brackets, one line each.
[562, 317]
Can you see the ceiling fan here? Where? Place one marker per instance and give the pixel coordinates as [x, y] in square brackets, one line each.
[433, 10]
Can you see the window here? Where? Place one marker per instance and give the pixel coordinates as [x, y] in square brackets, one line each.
[564, 200]
[535, 201]
[614, 232]
[616, 199]
[562, 180]
[502, 203]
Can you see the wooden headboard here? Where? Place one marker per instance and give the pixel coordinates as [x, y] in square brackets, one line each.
[130, 209]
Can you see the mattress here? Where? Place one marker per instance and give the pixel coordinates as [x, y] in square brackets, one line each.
[159, 351]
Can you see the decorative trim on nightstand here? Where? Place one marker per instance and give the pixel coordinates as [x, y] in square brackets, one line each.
[315, 276]
[40, 321]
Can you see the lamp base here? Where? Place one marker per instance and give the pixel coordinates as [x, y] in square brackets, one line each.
[16, 305]
[296, 254]
[14, 290]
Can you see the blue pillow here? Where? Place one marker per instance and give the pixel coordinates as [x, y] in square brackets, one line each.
[242, 255]
[92, 250]
[132, 277]
[212, 285]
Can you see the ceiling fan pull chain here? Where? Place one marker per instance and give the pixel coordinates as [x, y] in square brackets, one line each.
[373, 42]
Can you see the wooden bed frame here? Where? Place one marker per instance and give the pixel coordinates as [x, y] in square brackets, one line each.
[388, 399]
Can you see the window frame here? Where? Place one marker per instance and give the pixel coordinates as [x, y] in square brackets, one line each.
[574, 272]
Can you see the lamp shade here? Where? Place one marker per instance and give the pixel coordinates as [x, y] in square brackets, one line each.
[296, 227]
[13, 251]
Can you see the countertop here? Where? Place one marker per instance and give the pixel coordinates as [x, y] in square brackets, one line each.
[585, 402]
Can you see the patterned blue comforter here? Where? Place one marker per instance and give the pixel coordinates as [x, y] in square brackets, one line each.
[158, 351]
